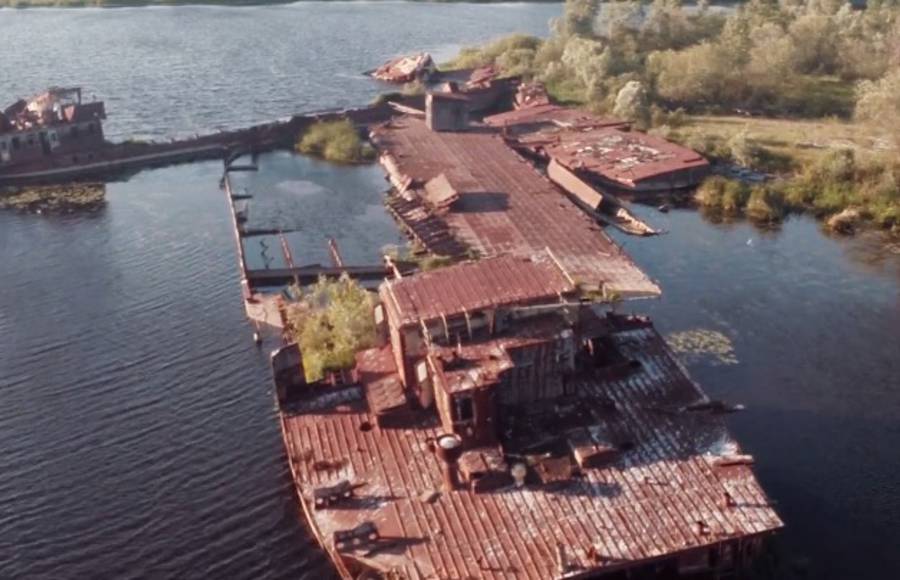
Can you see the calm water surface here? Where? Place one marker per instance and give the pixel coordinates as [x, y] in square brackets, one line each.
[138, 435]
[814, 329]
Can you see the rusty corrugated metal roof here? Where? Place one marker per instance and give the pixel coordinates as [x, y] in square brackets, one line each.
[673, 488]
[627, 157]
[551, 114]
[471, 286]
[506, 206]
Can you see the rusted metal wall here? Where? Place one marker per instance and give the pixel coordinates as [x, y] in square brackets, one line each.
[443, 113]
[566, 179]
[537, 374]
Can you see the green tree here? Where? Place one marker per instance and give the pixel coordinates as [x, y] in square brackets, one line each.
[331, 323]
[632, 104]
[578, 17]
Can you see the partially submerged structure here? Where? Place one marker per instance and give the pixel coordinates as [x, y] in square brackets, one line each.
[53, 124]
[600, 150]
[406, 69]
[508, 423]
[504, 428]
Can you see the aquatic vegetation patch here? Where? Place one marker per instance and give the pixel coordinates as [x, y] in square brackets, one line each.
[54, 198]
[702, 345]
[335, 141]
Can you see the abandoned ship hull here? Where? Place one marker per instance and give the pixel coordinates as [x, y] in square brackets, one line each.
[101, 168]
[105, 160]
[506, 422]
[676, 497]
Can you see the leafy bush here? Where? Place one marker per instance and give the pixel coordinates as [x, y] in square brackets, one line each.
[782, 58]
[764, 204]
[331, 324]
[743, 150]
[631, 104]
[474, 57]
[336, 141]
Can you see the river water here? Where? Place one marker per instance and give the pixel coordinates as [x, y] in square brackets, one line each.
[138, 434]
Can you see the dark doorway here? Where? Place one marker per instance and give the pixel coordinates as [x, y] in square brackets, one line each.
[45, 143]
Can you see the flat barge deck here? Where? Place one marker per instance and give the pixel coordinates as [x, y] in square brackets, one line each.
[508, 422]
[680, 495]
[502, 204]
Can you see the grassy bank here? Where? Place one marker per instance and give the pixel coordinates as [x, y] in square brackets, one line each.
[335, 141]
[802, 141]
[825, 167]
[804, 90]
[837, 188]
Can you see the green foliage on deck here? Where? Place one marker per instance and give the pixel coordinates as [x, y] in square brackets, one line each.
[332, 321]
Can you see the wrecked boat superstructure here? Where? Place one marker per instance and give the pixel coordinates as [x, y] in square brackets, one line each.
[406, 69]
[53, 124]
[601, 150]
[505, 428]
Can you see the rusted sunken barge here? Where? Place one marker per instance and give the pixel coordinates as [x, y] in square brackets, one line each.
[509, 423]
[56, 136]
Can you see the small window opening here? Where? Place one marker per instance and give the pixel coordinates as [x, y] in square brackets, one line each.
[464, 409]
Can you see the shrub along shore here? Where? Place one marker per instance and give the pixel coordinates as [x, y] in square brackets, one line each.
[770, 86]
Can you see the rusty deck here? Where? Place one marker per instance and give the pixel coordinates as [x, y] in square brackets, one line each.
[505, 205]
[680, 482]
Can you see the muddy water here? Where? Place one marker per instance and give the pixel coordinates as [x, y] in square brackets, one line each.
[138, 436]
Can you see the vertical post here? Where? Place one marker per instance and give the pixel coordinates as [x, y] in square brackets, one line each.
[335, 253]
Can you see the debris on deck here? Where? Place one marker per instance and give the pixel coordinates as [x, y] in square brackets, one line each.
[624, 159]
[506, 429]
[506, 422]
[503, 204]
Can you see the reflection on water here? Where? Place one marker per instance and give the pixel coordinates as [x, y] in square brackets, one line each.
[138, 437]
[313, 201]
[876, 251]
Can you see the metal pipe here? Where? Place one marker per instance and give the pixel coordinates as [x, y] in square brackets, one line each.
[449, 450]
